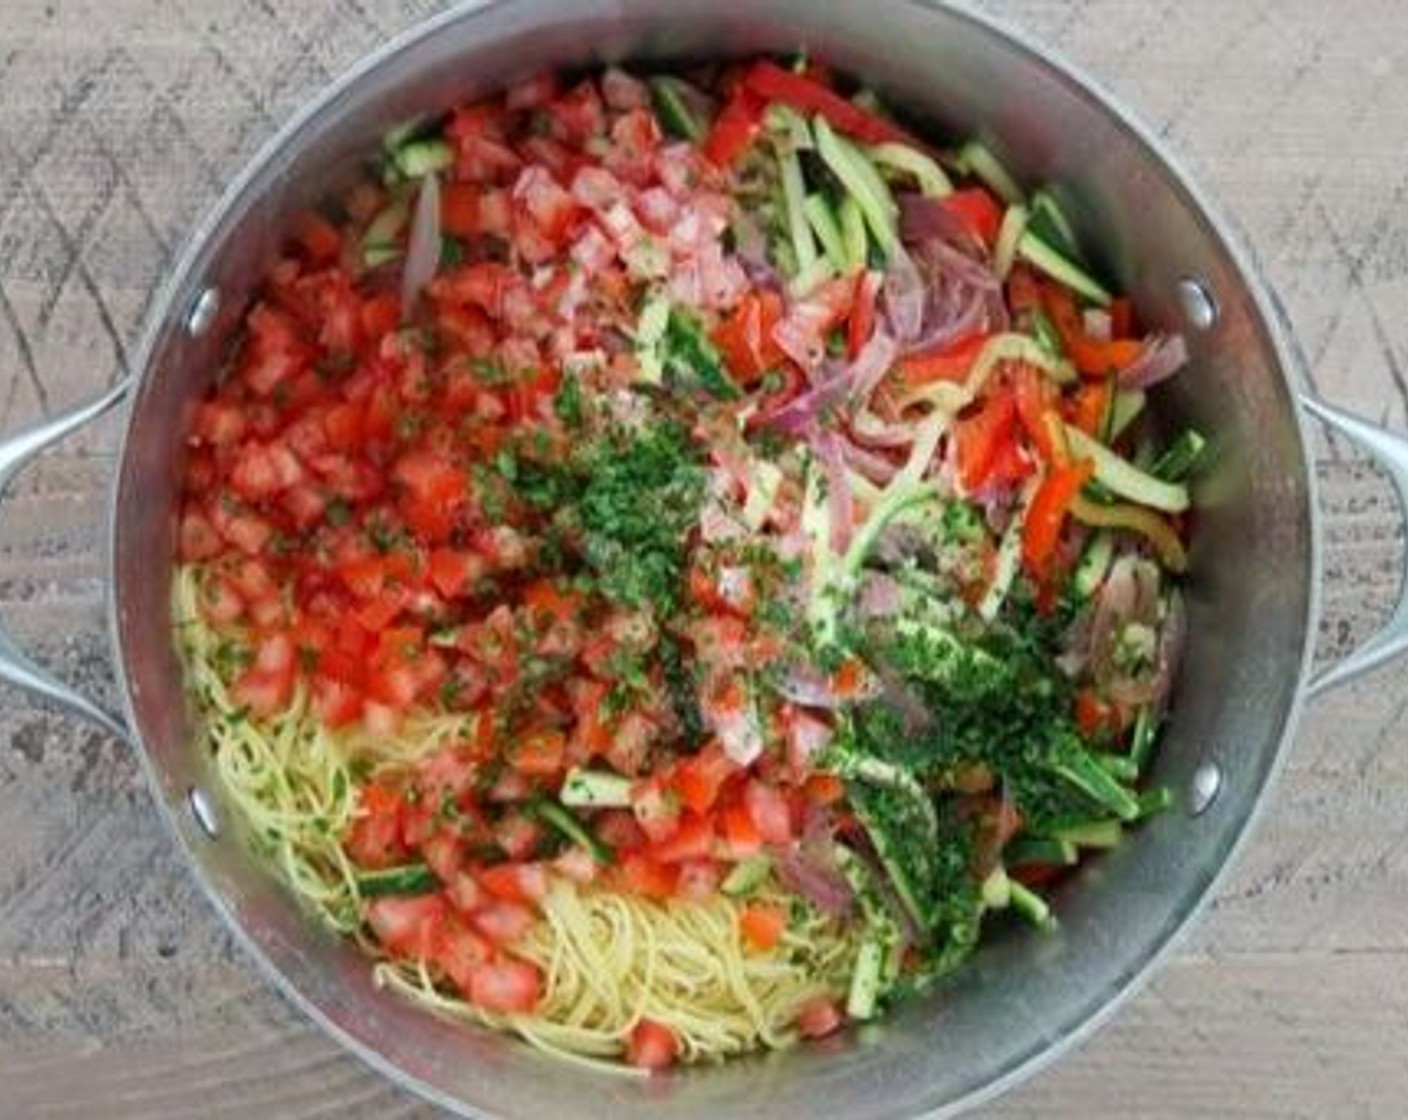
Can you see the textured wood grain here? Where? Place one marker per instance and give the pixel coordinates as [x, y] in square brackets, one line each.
[119, 993]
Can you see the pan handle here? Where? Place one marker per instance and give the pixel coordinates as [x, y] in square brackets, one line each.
[1390, 452]
[16, 452]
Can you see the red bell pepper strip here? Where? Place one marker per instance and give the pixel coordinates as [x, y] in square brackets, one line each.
[978, 210]
[950, 362]
[1092, 357]
[982, 438]
[735, 128]
[861, 324]
[1036, 406]
[1088, 407]
[772, 83]
[1041, 532]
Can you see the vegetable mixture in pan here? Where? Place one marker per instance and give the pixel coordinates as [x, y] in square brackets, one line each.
[667, 562]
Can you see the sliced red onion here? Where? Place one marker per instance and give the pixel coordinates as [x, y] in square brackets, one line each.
[872, 364]
[902, 295]
[839, 500]
[423, 249]
[924, 219]
[808, 687]
[878, 596]
[1173, 636]
[869, 429]
[1163, 356]
[868, 463]
[812, 871]
[949, 321]
[954, 263]
[802, 412]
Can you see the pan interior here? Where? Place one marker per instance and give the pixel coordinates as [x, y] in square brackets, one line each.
[1250, 591]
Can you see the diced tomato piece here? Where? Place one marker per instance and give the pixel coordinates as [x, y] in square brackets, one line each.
[652, 1046]
[316, 236]
[219, 423]
[264, 470]
[770, 811]
[649, 878]
[539, 754]
[740, 833]
[198, 538]
[699, 879]
[698, 778]
[220, 602]
[763, 925]
[656, 808]
[618, 830]
[444, 854]
[407, 926]
[819, 1017]
[504, 923]
[459, 950]
[691, 838]
[516, 882]
[374, 839]
[465, 894]
[505, 986]
[336, 703]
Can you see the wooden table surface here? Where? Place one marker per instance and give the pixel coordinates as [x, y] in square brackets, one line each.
[121, 996]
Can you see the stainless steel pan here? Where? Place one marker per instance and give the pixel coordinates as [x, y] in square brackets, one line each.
[1253, 592]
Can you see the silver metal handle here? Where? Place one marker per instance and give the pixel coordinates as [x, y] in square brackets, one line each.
[15, 453]
[1390, 452]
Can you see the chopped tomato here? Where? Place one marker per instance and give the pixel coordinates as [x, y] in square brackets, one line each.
[691, 838]
[763, 925]
[770, 811]
[458, 951]
[699, 778]
[539, 754]
[516, 882]
[407, 926]
[820, 1017]
[505, 986]
[644, 876]
[652, 1046]
[504, 923]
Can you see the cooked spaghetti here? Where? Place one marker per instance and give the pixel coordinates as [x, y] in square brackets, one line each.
[667, 561]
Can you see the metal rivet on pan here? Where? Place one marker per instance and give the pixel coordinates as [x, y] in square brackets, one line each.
[204, 812]
[1199, 307]
[203, 312]
[1206, 785]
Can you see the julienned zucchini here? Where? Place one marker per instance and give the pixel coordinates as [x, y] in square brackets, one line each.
[863, 182]
[1061, 269]
[901, 158]
[1122, 477]
[975, 159]
[667, 95]
[827, 227]
[416, 159]
[413, 878]
[1093, 565]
